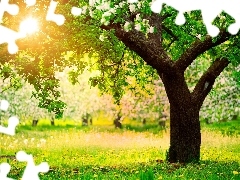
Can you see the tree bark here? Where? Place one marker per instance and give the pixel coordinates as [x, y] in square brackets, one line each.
[185, 134]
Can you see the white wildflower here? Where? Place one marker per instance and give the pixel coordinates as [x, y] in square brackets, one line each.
[43, 141]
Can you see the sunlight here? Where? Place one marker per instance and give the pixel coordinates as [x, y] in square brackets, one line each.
[29, 26]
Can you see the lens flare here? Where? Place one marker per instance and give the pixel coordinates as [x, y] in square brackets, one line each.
[29, 26]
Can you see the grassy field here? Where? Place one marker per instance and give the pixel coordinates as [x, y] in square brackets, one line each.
[136, 152]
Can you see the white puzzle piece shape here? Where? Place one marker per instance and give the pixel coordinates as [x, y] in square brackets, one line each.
[31, 171]
[12, 123]
[12, 9]
[9, 36]
[51, 16]
[209, 9]
[4, 170]
[30, 2]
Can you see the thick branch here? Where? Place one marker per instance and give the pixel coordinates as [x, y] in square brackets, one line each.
[207, 80]
[199, 47]
[149, 48]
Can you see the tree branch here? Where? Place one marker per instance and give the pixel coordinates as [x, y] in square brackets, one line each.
[199, 47]
[149, 48]
[205, 83]
[168, 31]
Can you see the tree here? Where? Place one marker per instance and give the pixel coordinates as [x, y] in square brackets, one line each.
[122, 38]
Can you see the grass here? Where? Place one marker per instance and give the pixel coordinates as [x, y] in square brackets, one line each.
[136, 152]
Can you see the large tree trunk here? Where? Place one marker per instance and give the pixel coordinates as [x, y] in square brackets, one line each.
[185, 136]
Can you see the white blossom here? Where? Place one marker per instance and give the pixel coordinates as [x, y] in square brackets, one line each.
[132, 8]
[92, 2]
[138, 27]
[121, 4]
[127, 26]
[151, 29]
[105, 6]
[84, 9]
[101, 37]
[108, 13]
[132, 1]
[112, 10]
[145, 21]
[139, 5]
[138, 18]
[91, 13]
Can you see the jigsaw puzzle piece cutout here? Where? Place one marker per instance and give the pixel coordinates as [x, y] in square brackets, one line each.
[232, 8]
[209, 9]
[12, 9]
[181, 6]
[12, 123]
[51, 16]
[9, 36]
[31, 171]
[4, 170]
[30, 2]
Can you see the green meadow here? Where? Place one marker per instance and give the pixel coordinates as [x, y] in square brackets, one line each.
[135, 152]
